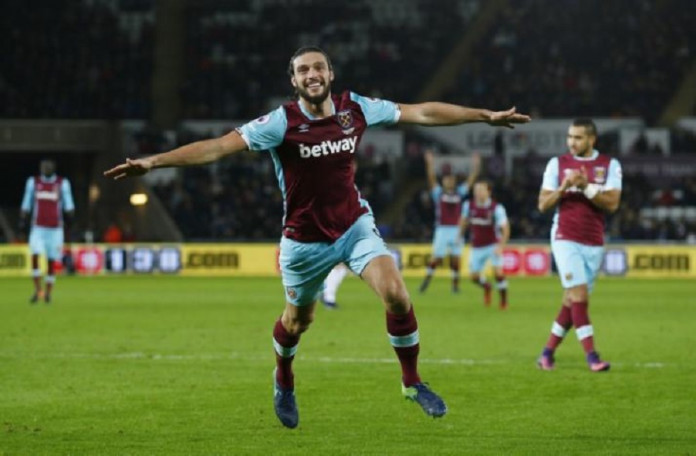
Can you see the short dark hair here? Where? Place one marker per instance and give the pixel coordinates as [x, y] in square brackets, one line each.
[486, 182]
[304, 50]
[590, 126]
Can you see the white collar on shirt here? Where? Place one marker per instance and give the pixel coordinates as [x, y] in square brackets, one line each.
[485, 204]
[51, 178]
[595, 152]
[311, 117]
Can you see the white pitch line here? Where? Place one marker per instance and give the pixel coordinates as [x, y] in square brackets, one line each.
[467, 362]
[321, 359]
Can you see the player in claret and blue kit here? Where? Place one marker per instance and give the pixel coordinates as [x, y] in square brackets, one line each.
[447, 199]
[311, 140]
[488, 224]
[46, 197]
[584, 185]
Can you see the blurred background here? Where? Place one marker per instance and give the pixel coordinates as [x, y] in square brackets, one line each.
[90, 82]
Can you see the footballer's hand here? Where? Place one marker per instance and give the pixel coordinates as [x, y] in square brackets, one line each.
[577, 179]
[428, 155]
[130, 168]
[508, 118]
[498, 249]
[566, 183]
[581, 179]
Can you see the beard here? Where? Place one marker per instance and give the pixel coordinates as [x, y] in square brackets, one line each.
[315, 99]
[582, 152]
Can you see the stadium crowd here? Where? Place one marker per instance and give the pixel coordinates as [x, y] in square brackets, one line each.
[602, 54]
[76, 60]
[237, 58]
[94, 58]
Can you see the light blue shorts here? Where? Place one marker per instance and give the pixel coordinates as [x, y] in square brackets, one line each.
[305, 265]
[479, 255]
[46, 241]
[577, 264]
[447, 240]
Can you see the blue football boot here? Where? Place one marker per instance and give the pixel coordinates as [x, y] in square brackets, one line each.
[284, 404]
[431, 403]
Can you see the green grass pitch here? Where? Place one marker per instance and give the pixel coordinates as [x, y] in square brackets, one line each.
[182, 366]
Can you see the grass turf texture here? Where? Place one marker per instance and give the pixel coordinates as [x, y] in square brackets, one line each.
[170, 365]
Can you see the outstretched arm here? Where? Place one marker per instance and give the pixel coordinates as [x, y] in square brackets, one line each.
[196, 153]
[475, 170]
[430, 169]
[436, 113]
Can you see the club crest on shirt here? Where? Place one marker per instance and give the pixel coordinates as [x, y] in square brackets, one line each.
[345, 120]
[600, 174]
[292, 294]
[569, 276]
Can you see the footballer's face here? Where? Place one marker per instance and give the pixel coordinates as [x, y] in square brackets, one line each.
[481, 192]
[449, 182]
[580, 141]
[312, 77]
[47, 167]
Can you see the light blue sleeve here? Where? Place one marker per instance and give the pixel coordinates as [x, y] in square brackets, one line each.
[465, 209]
[436, 192]
[377, 111]
[28, 197]
[66, 196]
[615, 176]
[550, 181]
[500, 215]
[266, 132]
[463, 190]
